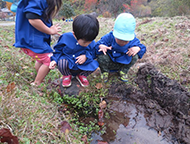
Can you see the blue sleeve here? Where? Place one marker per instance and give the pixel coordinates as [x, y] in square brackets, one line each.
[36, 6]
[89, 58]
[58, 51]
[91, 55]
[136, 42]
[105, 40]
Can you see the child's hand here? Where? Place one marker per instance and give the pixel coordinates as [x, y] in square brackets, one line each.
[104, 48]
[81, 59]
[52, 65]
[133, 51]
[55, 29]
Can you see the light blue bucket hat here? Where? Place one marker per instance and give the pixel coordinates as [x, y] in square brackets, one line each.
[124, 27]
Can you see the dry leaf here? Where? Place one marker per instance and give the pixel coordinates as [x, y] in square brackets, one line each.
[65, 127]
[10, 87]
[100, 123]
[6, 136]
[98, 86]
[103, 104]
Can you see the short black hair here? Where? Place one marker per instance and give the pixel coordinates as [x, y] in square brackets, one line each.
[86, 27]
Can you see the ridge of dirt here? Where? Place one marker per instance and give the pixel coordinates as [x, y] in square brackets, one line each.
[165, 101]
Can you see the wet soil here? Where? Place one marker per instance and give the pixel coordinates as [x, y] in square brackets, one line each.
[167, 102]
[155, 112]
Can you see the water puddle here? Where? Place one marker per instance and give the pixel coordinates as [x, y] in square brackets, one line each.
[127, 124]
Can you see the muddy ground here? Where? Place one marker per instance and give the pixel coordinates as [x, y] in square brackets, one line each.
[164, 106]
[165, 101]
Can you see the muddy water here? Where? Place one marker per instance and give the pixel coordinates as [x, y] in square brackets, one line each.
[127, 124]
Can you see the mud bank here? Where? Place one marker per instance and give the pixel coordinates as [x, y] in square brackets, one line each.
[165, 101]
[166, 98]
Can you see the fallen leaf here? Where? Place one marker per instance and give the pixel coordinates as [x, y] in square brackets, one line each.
[103, 104]
[65, 127]
[6, 136]
[10, 86]
[66, 131]
[98, 86]
[100, 123]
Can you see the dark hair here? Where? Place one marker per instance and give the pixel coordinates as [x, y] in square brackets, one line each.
[86, 27]
[53, 8]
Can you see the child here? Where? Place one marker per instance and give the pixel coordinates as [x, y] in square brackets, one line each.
[74, 53]
[121, 46]
[32, 32]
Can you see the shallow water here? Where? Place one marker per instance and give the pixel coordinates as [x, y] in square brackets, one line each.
[127, 125]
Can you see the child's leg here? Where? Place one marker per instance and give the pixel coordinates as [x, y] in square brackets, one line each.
[42, 71]
[41, 65]
[125, 68]
[37, 65]
[85, 73]
[63, 67]
[65, 71]
[104, 63]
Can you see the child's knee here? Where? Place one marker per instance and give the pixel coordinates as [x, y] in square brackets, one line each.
[103, 58]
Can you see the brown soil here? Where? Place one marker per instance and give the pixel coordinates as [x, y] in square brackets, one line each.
[165, 101]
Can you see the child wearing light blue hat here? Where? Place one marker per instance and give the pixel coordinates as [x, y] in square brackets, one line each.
[120, 47]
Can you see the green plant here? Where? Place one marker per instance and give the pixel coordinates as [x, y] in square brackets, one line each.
[66, 11]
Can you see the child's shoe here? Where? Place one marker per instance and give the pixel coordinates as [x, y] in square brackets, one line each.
[104, 76]
[83, 80]
[124, 76]
[66, 81]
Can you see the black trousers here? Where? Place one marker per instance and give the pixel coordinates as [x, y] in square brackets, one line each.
[107, 65]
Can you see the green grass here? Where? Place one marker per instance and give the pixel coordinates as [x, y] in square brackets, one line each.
[32, 112]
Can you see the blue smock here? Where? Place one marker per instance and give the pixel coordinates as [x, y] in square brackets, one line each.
[26, 36]
[68, 48]
[118, 53]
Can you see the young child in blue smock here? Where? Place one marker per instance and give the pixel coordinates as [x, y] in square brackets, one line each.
[121, 48]
[33, 30]
[74, 53]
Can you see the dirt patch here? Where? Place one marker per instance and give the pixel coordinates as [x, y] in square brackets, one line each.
[166, 102]
[172, 99]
